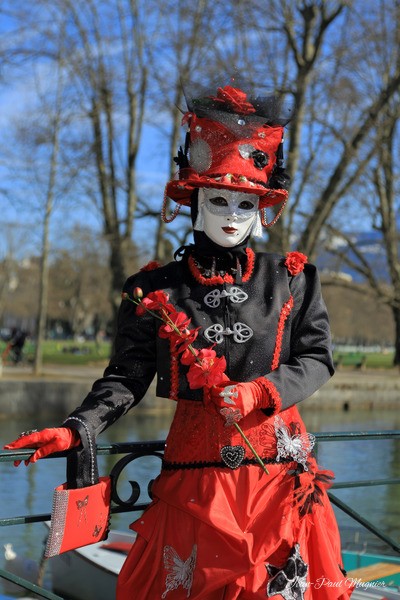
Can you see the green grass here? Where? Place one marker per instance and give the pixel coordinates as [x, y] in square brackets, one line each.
[373, 360]
[70, 352]
[67, 352]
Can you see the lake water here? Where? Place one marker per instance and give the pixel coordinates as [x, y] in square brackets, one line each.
[29, 490]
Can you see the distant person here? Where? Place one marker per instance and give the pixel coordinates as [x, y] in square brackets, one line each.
[15, 345]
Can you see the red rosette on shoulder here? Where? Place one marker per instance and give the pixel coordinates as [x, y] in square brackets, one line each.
[295, 262]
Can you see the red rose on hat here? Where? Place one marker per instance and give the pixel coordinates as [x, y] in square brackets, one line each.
[235, 99]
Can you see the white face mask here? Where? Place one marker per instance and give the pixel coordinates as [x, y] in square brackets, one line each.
[226, 217]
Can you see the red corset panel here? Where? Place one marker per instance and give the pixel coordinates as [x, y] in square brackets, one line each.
[197, 437]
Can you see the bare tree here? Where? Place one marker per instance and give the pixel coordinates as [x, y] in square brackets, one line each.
[55, 123]
[34, 155]
[108, 73]
[79, 273]
[336, 107]
[186, 51]
[380, 269]
[339, 59]
[388, 210]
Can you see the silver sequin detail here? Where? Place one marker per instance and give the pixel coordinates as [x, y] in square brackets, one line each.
[289, 581]
[296, 446]
[180, 571]
[91, 449]
[232, 456]
[200, 155]
[240, 331]
[228, 393]
[246, 150]
[233, 205]
[235, 294]
[231, 416]
[58, 516]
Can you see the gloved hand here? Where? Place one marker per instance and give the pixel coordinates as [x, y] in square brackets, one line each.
[243, 397]
[55, 439]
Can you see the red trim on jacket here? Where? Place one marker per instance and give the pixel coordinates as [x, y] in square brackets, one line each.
[285, 312]
[174, 370]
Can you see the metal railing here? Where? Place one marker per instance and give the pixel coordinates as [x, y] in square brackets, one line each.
[135, 450]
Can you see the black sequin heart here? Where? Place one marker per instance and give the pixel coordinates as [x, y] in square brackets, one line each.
[232, 456]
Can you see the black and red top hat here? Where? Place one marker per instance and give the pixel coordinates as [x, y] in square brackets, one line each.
[234, 142]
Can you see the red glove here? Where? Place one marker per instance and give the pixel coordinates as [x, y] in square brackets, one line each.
[56, 439]
[242, 398]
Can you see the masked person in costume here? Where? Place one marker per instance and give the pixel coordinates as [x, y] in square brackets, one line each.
[221, 527]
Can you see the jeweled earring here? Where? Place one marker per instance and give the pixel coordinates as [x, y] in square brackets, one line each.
[174, 213]
[274, 220]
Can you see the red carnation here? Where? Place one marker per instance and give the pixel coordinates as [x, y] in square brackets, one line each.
[176, 325]
[176, 330]
[155, 301]
[295, 262]
[207, 370]
[186, 339]
[188, 357]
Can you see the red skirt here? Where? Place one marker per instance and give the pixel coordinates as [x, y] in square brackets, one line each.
[226, 534]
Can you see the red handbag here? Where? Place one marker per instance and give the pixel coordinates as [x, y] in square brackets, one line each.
[81, 506]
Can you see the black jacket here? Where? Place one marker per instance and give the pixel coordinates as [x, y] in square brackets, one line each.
[283, 334]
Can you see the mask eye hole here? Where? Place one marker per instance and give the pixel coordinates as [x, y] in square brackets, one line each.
[218, 201]
[246, 205]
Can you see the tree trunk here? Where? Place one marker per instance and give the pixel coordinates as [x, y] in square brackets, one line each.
[396, 317]
[44, 269]
[161, 253]
[43, 294]
[118, 277]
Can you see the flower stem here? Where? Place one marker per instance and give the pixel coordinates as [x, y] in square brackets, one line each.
[256, 456]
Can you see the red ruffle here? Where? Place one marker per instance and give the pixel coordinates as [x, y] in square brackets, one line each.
[223, 529]
[273, 394]
[227, 278]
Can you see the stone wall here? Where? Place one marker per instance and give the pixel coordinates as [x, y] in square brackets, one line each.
[48, 397]
[44, 397]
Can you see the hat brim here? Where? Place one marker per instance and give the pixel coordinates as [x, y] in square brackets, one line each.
[180, 190]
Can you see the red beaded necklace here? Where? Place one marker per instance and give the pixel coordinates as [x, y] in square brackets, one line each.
[221, 279]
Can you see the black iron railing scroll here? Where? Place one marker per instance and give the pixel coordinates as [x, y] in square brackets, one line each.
[137, 450]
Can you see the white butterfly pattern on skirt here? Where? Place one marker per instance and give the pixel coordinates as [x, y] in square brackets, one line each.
[297, 446]
[180, 571]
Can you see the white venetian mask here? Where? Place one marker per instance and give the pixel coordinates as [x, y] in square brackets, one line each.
[227, 217]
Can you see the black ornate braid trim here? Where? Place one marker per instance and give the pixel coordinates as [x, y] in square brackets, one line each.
[175, 466]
